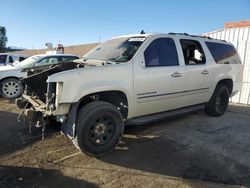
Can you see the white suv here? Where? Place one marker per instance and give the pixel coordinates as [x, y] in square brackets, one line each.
[133, 79]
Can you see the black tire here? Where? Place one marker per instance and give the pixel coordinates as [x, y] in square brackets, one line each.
[99, 128]
[219, 101]
[11, 88]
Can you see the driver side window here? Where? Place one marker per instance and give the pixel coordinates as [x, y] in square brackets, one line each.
[161, 52]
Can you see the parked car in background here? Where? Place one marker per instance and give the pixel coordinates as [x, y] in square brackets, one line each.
[10, 86]
[10, 58]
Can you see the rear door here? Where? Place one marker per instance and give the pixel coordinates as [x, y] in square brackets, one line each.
[197, 71]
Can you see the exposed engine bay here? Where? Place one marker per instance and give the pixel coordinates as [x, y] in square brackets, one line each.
[38, 98]
[35, 85]
[38, 94]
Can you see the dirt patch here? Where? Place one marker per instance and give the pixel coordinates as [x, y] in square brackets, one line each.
[182, 151]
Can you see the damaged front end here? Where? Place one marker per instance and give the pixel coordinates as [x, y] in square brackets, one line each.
[38, 101]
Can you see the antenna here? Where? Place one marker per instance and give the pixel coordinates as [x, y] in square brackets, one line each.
[142, 32]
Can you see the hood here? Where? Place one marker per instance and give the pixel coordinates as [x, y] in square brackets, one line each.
[93, 62]
[8, 68]
[89, 65]
[10, 71]
[55, 73]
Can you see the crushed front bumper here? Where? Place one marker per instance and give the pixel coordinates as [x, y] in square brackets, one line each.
[36, 113]
[33, 110]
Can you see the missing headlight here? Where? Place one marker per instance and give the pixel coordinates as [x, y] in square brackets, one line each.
[51, 95]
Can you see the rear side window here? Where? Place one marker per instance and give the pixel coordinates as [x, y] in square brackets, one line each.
[3, 59]
[11, 59]
[192, 52]
[69, 58]
[223, 53]
[161, 52]
[21, 58]
[15, 58]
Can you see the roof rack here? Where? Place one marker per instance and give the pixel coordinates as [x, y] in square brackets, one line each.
[178, 33]
[186, 34]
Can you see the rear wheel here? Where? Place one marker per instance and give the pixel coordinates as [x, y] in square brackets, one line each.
[11, 88]
[99, 128]
[219, 101]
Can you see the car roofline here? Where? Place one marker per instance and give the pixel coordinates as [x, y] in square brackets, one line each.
[47, 55]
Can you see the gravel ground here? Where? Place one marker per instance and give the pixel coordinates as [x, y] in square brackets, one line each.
[192, 150]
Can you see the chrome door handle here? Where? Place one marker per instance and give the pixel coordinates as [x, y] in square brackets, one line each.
[176, 74]
[205, 72]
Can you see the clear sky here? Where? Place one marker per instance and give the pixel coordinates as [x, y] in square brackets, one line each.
[32, 23]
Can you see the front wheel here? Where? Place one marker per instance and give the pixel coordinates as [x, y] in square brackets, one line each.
[219, 101]
[99, 128]
[11, 88]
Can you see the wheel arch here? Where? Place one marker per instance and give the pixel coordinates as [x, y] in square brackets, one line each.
[115, 97]
[14, 77]
[228, 82]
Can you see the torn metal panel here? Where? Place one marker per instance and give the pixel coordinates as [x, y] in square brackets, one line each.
[36, 83]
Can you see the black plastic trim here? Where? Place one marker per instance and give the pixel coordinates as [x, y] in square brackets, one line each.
[159, 95]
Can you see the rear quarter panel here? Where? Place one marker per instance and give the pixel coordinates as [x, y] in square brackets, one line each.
[224, 71]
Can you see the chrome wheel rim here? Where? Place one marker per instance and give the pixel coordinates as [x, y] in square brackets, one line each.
[11, 89]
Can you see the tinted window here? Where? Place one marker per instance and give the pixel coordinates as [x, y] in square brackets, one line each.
[223, 53]
[192, 52]
[3, 58]
[21, 58]
[161, 52]
[69, 58]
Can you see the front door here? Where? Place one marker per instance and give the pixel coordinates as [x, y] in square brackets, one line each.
[159, 79]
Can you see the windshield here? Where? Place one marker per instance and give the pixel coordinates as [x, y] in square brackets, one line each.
[3, 58]
[116, 50]
[29, 62]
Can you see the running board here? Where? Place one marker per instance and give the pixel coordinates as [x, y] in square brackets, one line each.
[162, 115]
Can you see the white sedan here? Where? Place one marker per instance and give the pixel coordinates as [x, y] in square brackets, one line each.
[10, 86]
[10, 58]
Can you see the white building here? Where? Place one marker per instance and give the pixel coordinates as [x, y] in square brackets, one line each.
[239, 35]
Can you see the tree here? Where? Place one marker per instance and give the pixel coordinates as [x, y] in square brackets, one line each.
[3, 39]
